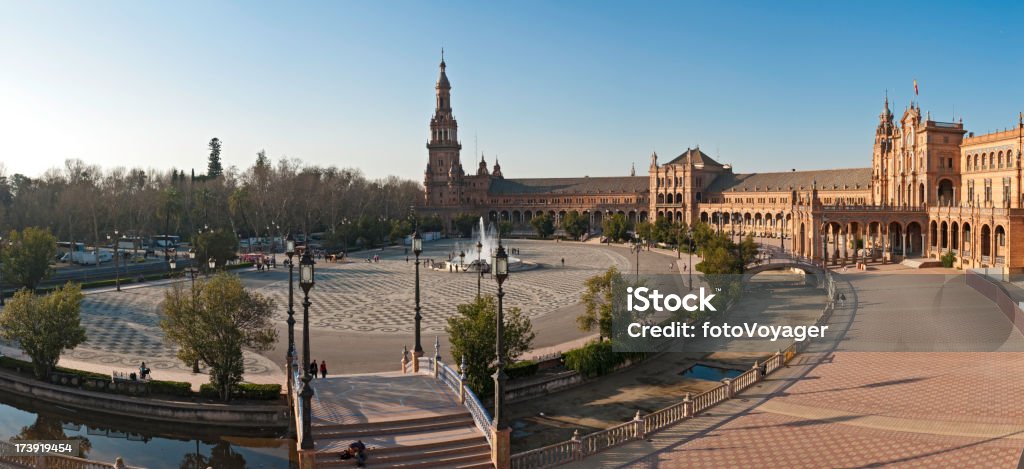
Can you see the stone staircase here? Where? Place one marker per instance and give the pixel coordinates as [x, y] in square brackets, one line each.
[444, 441]
[405, 421]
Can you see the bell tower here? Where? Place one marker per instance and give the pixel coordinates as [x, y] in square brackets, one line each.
[443, 176]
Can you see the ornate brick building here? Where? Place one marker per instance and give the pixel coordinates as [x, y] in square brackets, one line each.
[929, 190]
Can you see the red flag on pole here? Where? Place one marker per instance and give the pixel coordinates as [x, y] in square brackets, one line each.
[915, 87]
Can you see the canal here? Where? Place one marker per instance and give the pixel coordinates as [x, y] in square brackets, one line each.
[153, 445]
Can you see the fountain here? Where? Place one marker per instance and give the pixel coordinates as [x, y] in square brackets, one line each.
[487, 237]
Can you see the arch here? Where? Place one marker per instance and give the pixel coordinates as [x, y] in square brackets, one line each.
[915, 243]
[661, 214]
[920, 195]
[803, 239]
[661, 198]
[517, 217]
[679, 198]
[643, 215]
[527, 216]
[986, 243]
[492, 215]
[631, 216]
[505, 215]
[895, 238]
[669, 215]
[679, 216]
[954, 236]
[944, 192]
[943, 235]
[967, 240]
[704, 217]
[999, 245]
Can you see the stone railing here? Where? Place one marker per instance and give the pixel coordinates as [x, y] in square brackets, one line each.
[457, 383]
[296, 378]
[641, 426]
[47, 460]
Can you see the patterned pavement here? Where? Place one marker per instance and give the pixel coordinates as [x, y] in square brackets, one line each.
[847, 404]
[376, 298]
[367, 298]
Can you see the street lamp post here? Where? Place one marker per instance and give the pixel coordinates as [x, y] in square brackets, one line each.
[417, 249]
[306, 282]
[479, 267]
[289, 244]
[500, 266]
[117, 270]
[689, 244]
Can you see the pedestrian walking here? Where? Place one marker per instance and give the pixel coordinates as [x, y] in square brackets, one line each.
[323, 368]
[842, 299]
[313, 369]
[563, 262]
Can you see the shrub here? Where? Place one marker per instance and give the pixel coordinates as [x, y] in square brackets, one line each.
[522, 369]
[170, 388]
[948, 259]
[209, 391]
[597, 358]
[259, 392]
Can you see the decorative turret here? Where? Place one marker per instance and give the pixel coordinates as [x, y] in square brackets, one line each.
[482, 170]
[497, 169]
[654, 160]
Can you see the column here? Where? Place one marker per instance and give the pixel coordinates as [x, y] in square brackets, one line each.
[904, 243]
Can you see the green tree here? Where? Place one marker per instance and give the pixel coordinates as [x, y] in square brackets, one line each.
[26, 256]
[616, 227]
[645, 231]
[213, 167]
[544, 225]
[44, 326]
[603, 299]
[505, 229]
[472, 333]
[213, 321]
[575, 224]
[221, 245]
[464, 224]
[662, 230]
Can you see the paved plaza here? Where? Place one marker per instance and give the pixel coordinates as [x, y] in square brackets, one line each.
[849, 403]
[362, 312]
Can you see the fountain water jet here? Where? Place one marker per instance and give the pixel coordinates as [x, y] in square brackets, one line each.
[487, 237]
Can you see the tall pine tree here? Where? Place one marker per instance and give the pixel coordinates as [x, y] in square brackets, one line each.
[213, 168]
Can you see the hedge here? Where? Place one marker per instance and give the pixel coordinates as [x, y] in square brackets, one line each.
[522, 369]
[597, 358]
[256, 392]
[171, 388]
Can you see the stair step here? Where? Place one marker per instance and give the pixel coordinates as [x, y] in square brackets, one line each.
[480, 458]
[407, 442]
[383, 425]
[356, 431]
[406, 453]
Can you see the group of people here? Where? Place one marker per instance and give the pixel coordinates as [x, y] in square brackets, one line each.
[373, 260]
[264, 264]
[322, 368]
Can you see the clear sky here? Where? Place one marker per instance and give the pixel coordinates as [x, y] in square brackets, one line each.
[554, 88]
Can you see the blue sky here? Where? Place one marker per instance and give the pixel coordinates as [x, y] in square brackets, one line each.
[552, 88]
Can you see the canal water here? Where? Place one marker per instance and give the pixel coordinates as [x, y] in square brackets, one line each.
[146, 444]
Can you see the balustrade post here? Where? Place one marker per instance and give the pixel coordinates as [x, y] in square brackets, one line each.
[462, 380]
[577, 446]
[729, 390]
[757, 371]
[687, 407]
[405, 358]
[638, 422]
[437, 355]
